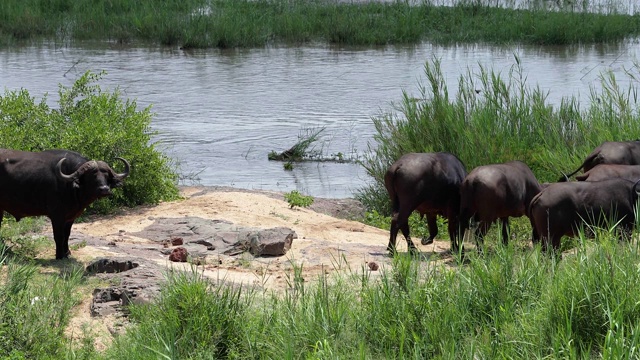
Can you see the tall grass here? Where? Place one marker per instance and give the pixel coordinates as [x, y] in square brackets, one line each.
[496, 118]
[242, 23]
[35, 311]
[507, 303]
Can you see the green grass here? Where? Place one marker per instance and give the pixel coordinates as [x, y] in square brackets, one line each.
[241, 23]
[508, 303]
[497, 118]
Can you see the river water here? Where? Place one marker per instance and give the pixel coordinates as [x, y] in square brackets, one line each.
[220, 112]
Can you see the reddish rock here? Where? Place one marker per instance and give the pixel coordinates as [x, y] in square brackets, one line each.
[373, 266]
[178, 255]
[177, 241]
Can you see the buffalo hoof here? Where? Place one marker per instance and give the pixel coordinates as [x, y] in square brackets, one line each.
[391, 251]
[427, 241]
[63, 256]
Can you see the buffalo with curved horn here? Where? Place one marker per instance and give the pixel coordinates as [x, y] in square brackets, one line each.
[58, 184]
[610, 152]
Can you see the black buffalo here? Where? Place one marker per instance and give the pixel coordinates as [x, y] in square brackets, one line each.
[496, 191]
[610, 171]
[566, 208]
[430, 184]
[58, 184]
[610, 152]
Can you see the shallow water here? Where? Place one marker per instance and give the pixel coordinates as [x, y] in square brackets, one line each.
[220, 112]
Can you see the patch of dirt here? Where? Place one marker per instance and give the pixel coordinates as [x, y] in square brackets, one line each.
[327, 241]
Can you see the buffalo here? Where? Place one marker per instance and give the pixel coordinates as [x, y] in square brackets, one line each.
[565, 208]
[496, 191]
[610, 152]
[609, 171]
[430, 184]
[58, 184]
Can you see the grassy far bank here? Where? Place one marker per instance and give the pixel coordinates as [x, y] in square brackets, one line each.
[241, 23]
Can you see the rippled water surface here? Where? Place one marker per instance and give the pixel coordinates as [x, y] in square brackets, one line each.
[220, 112]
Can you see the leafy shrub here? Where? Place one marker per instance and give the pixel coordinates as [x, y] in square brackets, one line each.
[98, 124]
[294, 198]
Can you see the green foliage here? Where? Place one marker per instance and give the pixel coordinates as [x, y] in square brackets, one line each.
[191, 320]
[295, 198]
[98, 124]
[241, 23]
[20, 236]
[35, 312]
[496, 118]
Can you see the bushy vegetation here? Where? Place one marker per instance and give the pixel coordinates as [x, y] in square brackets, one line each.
[100, 125]
[241, 23]
[497, 118]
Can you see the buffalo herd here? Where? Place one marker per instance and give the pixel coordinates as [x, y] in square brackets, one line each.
[605, 195]
[58, 184]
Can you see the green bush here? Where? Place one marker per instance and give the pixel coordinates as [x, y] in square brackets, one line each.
[294, 198]
[100, 125]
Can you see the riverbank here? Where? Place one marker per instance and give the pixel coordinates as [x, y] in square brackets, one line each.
[329, 241]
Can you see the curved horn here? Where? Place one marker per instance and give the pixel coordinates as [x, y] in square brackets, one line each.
[634, 187]
[127, 168]
[62, 175]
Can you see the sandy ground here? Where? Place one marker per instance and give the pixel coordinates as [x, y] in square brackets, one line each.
[326, 244]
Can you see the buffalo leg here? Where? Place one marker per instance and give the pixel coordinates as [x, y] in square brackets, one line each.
[505, 230]
[535, 236]
[432, 224]
[455, 231]
[400, 221]
[59, 235]
[481, 231]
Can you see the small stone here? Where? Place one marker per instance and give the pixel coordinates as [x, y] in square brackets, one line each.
[373, 266]
[178, 255]
[176, 241]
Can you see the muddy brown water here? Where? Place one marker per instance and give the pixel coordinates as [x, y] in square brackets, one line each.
[220, 112]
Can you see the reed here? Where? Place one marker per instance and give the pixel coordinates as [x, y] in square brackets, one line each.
[495, 118]
[242, 23]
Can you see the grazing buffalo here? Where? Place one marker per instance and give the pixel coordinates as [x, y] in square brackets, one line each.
[610, 152]
[58, 184]
[565, 208]
[496, 191]
[610, 171]
[430, 184]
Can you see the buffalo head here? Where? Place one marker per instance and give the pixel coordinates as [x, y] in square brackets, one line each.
[96, 177]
